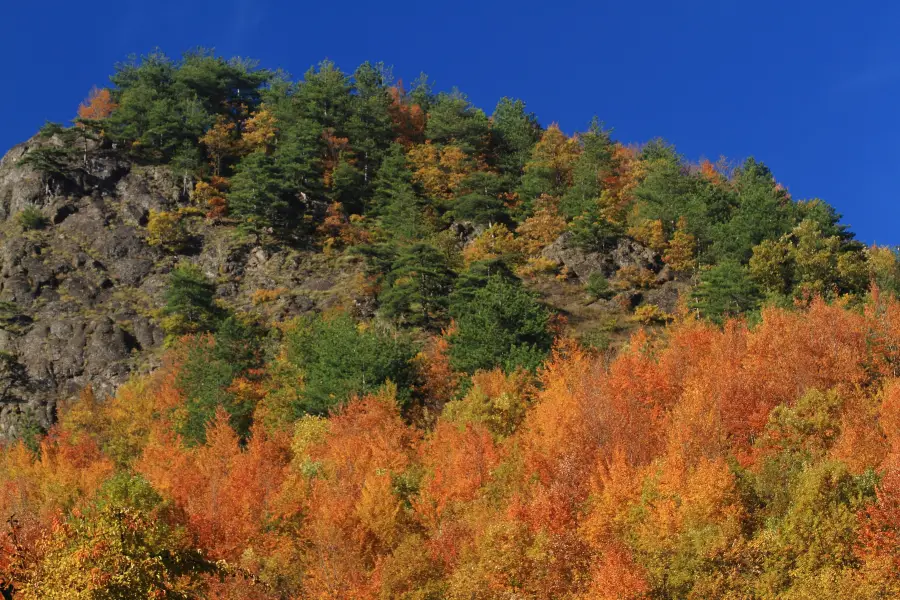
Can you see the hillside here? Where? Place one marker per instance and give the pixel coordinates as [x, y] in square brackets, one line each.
[337, 338]
[314, 195]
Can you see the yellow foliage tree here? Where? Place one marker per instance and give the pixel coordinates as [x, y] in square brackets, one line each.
[439, 170]
[682, 249]
[98, 105]
[221, 141]
[542, 228]
[494, 242]
[260, 131]
[651, 233]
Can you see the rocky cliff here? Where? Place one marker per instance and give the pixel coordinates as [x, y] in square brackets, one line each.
[80, 297]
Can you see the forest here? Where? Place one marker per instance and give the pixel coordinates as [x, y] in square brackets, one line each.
[460, 434]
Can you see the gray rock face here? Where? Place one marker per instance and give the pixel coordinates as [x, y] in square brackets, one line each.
[86, 290]
[625, 253]
[667, 286]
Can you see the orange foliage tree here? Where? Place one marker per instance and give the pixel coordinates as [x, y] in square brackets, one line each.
[98, 105]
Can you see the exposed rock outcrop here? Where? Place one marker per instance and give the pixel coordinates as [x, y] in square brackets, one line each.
[83, 294]
[626, 253]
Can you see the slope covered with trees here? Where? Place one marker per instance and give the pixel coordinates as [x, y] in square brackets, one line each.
[559, 366]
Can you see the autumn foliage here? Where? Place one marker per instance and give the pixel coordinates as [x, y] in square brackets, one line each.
[98, 105]
[692, 465]
[457, 444]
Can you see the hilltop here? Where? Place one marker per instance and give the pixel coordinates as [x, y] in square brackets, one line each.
[338, 192]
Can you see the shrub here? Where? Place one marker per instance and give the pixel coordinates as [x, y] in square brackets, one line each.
[262, 296]
[535, 266]
[630, 277]
[597, 286]
[166, 229]
[649, 314]
[32, 218]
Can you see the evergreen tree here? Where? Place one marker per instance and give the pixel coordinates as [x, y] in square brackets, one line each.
[163, 105]
[592, 231]
[591, 166]
[348, 187]
[370, 128]
[669, 191]
[340, 359]
[261, 196]
[725, 290]
[417, 287]
[514, 132]
[325, 97]
[189, 301]
[206, 376]
[299, 156]
[453, 120]
[500, 324]
[421, 94]
[763, 211]
[479, 200]
[399, 208]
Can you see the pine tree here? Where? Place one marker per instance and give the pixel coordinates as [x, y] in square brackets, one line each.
[399, 208]
[725, 290]
[514, 133]
[261, 196]
[417, 287]
[500, 324]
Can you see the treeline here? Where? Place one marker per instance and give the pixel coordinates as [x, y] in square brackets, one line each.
[359, 163]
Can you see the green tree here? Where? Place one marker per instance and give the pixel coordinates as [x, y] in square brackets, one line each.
[725, 290]
[514, 132]
[298, 157]
[453, 120]
[339, 358]
[348, 186]
[421, 92]
[594, 232]
[210, 367]
[479, 200]
[499, 324]
[591, 166]
[370, 128]
[669, 192]
[417, 287]
[260, 195]
[399, 208]
[164, 105]
[325, 96]
[189, 301]
[763, 211]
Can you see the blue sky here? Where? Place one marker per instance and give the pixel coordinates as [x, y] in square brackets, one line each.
[810, 88]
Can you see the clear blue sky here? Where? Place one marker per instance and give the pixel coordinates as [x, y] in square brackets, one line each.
[810, 88]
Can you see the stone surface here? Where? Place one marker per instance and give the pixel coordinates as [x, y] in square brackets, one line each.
[88, 288]
[626, 252]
